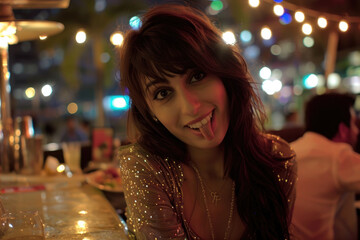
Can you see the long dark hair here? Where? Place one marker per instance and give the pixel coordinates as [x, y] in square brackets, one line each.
[173, 39]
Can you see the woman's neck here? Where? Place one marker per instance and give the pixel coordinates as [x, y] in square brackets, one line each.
[210, 162]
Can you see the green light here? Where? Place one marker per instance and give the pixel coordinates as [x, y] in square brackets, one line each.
[217, 5]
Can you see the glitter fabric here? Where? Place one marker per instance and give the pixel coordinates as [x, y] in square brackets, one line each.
[153, 192]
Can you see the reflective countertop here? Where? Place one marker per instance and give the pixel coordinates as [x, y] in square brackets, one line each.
[69, 207]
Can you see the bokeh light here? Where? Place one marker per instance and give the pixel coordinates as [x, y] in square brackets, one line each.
[229, 37]
[343, 26]
[252, 52]
[271, 86]
[310, 81]
[333, 80]
[265, 73]
[72, 108]
[254, 3]
[275, 50]
[322, 22]
[299, 16]
[308, 42]
[80, 36]
[245, 36]
[117, 38]
[285, 18]
[266, 33]
[306, 28]
[217, 5]
[30, 92]
[46, 90]
[135, 22]
[278, 10]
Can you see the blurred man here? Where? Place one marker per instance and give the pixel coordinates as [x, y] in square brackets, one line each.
[72, 132]
[328, 170]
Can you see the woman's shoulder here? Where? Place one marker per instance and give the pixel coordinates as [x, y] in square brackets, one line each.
[279, 148]
[133, 153]
[134, 156]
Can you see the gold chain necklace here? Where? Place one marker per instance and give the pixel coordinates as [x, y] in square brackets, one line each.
[228, 228]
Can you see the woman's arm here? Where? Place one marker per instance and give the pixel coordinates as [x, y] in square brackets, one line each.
[149, 197]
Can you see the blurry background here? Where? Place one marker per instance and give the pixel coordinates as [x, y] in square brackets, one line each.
[74, 73]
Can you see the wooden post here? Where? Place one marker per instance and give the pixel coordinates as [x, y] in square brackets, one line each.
[330, 57]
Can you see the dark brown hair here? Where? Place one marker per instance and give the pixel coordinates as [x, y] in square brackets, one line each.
[325, 112]
[173, 39]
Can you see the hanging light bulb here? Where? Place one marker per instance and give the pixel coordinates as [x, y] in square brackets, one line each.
[278, 10]
[306, 28]
[117, 38]
[299, 16]
[80, 36]
[322, 22]
[343, 26]
[254, 3]
[266, 33]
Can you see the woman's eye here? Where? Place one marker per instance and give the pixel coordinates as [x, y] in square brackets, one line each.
[161, 94]
[197, 76]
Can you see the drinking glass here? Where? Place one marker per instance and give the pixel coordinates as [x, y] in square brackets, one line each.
[72, 156]
[33, 155]
[21, 225]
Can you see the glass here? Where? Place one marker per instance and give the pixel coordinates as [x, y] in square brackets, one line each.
[72, 156]
[21, 225]
[33, 155]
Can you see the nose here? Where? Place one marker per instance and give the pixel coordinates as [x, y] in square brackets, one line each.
[189, 101]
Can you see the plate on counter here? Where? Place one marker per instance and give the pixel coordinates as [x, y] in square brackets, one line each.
[106, 180]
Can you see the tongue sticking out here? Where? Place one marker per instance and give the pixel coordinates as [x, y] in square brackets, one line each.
[207, 131]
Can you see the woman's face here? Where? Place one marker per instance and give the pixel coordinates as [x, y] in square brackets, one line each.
[193, 107]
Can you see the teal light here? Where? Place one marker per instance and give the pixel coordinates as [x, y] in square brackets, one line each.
[217, 5]
[135, 22]
[117, 102]
[310, 81]
[245, 36]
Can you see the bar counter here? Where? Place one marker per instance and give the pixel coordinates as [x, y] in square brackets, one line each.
[70, 208]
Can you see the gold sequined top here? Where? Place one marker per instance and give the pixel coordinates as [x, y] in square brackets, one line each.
[153, 193]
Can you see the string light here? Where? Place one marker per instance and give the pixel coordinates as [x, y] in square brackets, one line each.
[278, 10]
[254, 3]
[80, 36]
[302, 13]
[343, 26]
[266, 33]
[299, 16]
[306, 28]
[322, 22]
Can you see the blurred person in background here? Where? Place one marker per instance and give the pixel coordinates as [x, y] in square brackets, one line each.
[49, 131]
[85, 125]
[73, 132]
[201, 167]
[328, 170]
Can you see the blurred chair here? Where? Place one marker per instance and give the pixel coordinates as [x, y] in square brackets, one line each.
[289, 134]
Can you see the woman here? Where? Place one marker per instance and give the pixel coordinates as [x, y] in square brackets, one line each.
[200, 167]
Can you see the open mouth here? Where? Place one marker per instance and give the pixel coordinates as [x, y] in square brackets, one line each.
[204, 127]
[203, 122]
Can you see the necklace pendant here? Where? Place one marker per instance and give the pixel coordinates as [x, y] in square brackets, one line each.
[215, 197]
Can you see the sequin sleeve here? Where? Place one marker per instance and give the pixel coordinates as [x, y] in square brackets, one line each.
[149, 196]
[287, 172]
